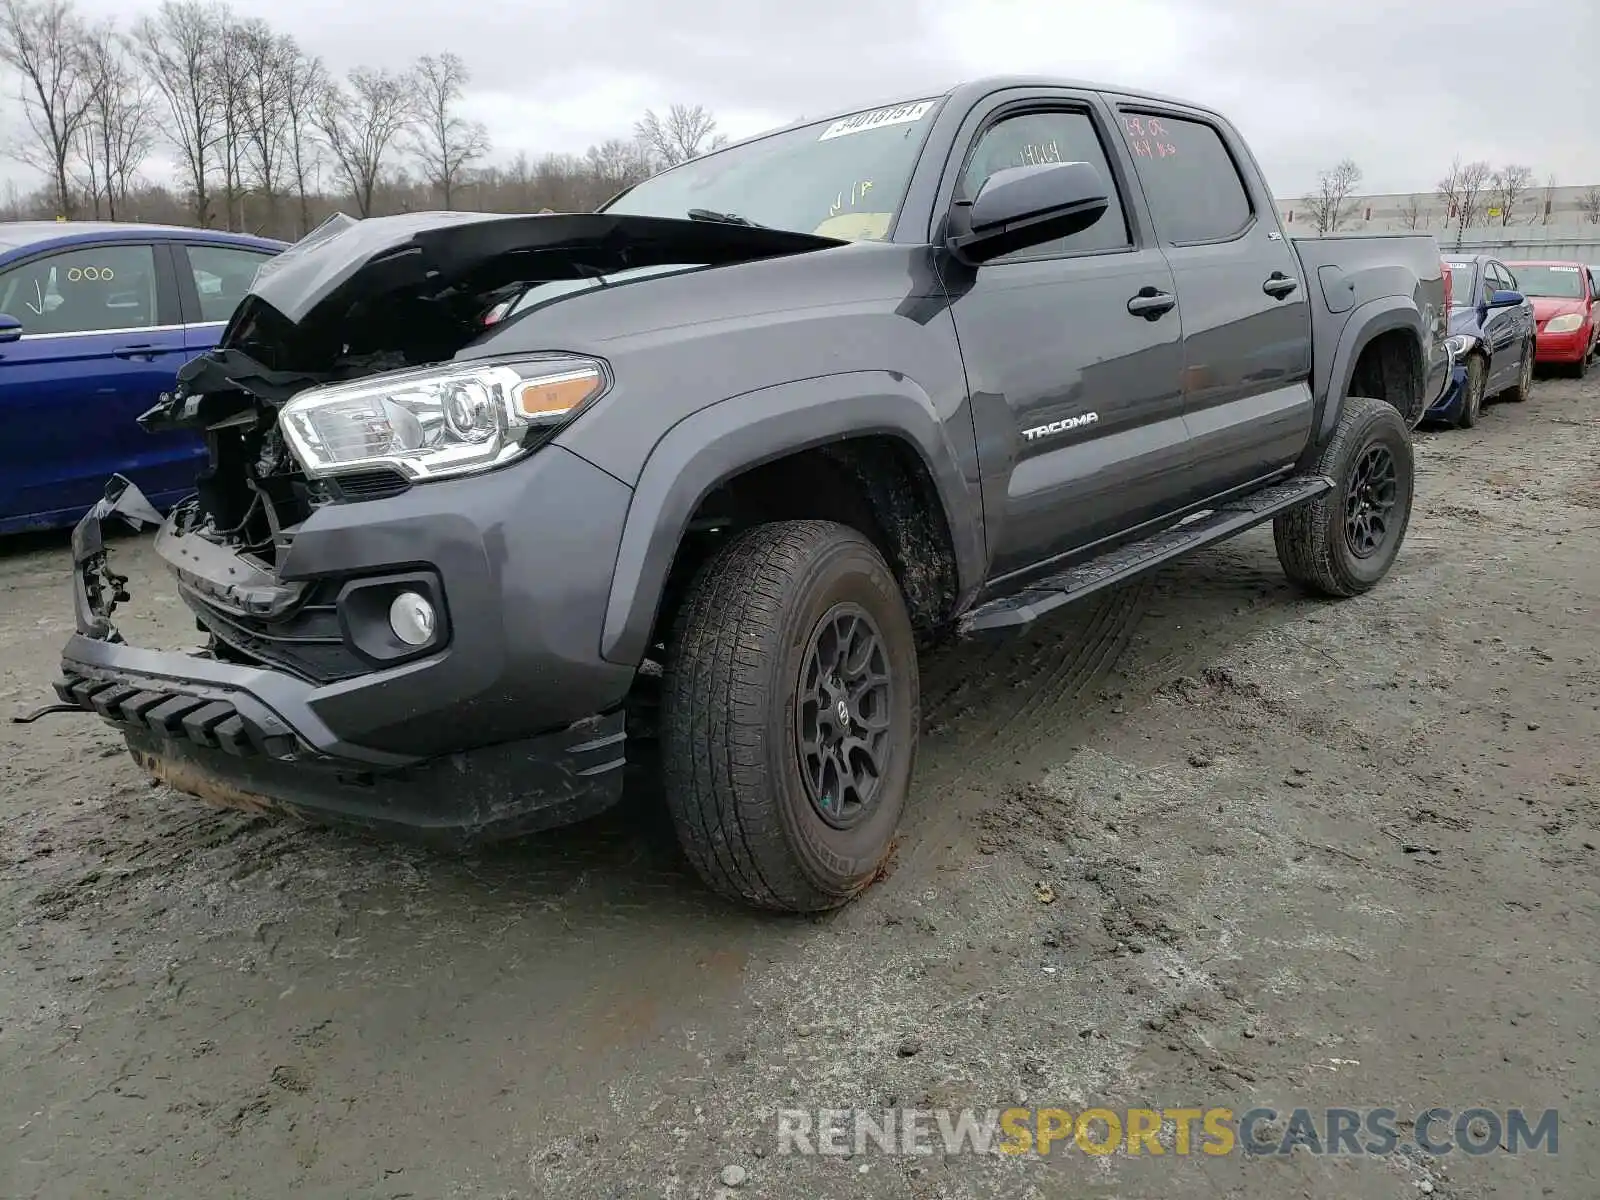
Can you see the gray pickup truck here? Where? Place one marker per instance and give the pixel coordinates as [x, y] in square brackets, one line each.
[724, 455]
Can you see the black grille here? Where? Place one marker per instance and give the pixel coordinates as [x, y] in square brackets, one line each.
[305, 641]
[363, 485]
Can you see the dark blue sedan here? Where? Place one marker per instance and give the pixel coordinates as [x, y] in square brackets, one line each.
[95, 320]
[1491, 340]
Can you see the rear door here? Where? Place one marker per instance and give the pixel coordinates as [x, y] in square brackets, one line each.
[1246, 316]
[1075, 397]
[101, 341]
[212, 279]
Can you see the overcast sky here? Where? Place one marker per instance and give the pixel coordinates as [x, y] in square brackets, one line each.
[1400, 87]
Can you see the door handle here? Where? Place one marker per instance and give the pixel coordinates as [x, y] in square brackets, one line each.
[1279, 285]
[1150, 303]
[142, 351]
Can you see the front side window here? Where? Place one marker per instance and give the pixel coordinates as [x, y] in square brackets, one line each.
[90, 290]
[1046, 137]
[222, 277]
[1189, 178]
[843, 179]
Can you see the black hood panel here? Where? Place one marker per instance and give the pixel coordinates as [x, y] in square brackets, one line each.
[346, 263]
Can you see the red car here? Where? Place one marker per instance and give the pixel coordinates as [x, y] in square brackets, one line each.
[1564, 311]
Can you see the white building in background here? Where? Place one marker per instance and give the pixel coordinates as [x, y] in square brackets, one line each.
[1574, 209]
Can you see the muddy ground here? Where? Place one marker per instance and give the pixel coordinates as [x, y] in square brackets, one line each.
[1291, 853]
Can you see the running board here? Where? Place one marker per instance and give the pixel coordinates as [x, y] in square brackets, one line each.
[1123, 563]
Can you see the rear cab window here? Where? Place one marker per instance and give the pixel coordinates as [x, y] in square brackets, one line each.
[1191, 183]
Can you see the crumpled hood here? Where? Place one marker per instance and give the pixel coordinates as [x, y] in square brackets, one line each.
[345, 261]
[1545, 307]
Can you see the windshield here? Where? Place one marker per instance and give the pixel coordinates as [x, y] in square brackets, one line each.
[1567, 283]
[1461, 274]
[842, 179]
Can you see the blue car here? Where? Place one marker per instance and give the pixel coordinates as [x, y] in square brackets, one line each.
[95, 320]
[1491, 340]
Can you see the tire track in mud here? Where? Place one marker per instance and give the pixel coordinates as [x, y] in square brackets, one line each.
[995, 701]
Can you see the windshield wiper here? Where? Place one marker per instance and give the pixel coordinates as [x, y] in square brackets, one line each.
[705, 214]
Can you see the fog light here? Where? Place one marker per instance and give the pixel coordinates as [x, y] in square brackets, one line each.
[412, 619]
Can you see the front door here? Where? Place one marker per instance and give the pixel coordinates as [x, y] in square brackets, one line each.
[1075, 397]
[1505, 329]
[100, 343]
[1246, 316]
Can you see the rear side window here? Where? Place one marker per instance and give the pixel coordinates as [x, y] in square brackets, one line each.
[222, 276]
[1190, 180]
[1046, 137]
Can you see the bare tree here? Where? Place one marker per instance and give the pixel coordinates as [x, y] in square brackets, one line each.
[684, 133]
[1507, 187]
[264, 66]
[231, 78]
[1589, 205]
[1329, 206]
[1547, 205]
[1412, 214]
[1462, 192]
[118, 132]
[616, 164]
[445, 143]
[361, 125]
[305, 91]
[41, 41]
[178, 48]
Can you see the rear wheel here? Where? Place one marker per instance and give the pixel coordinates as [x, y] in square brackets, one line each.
[1344, 542]
[1524, 385]
[1472, 396]
[790, 716]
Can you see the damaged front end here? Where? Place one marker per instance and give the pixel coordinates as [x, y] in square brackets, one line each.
[336, 389]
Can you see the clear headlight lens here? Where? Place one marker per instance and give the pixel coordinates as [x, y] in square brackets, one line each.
[1564, 324]
[438, 421]
[1458, 344]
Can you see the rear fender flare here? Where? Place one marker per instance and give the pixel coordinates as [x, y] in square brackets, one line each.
[725, 439]
[1370, 320]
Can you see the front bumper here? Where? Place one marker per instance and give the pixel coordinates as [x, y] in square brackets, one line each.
[514, 724]
[1563, 347]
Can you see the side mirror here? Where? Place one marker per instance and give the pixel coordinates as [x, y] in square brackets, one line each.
[1020, 207]
[1505, 299]
[10, 328]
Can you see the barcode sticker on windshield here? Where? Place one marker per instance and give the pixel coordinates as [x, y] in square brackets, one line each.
[1572, 270]
[899, 114]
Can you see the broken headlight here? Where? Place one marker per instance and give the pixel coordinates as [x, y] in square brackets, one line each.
[438, 421]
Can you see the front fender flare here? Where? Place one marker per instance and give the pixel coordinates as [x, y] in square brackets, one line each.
[724, 439]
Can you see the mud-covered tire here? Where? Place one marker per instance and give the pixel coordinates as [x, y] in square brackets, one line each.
[1315, 543]
[1524, 385]
[1580, 369]
[1472, 391]
[731, 715]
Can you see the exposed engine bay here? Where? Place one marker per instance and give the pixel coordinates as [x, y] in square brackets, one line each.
[358, 298]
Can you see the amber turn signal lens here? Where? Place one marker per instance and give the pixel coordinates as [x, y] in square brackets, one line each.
[555, 394]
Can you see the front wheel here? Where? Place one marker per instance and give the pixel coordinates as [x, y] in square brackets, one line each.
[1472, 395]
[1344, 542]
[790, 716]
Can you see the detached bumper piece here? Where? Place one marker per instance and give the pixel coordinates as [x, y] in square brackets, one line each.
[213, 723]
[231, 751]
